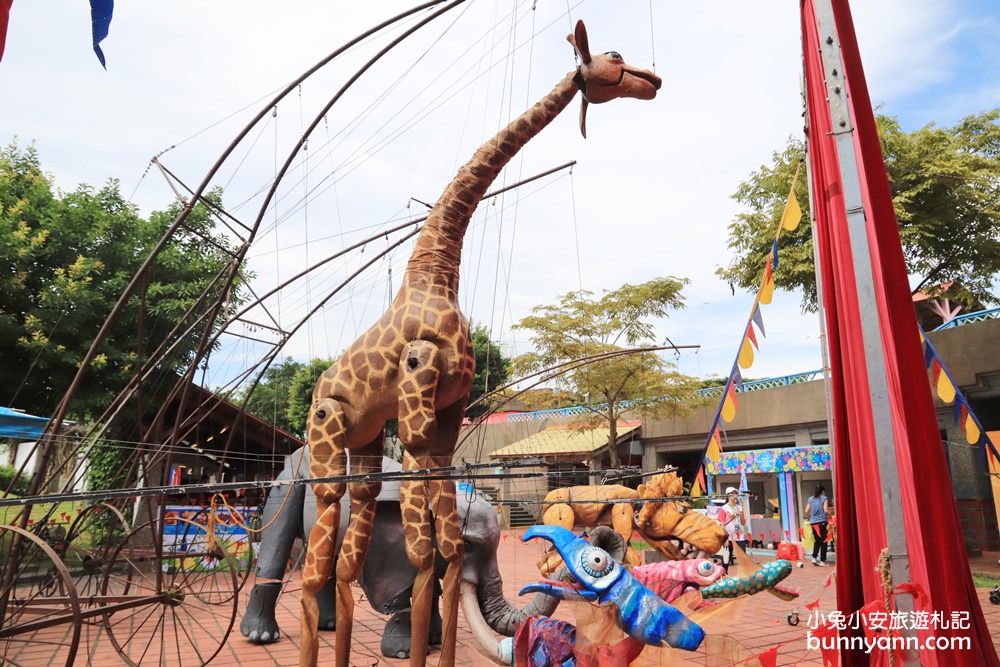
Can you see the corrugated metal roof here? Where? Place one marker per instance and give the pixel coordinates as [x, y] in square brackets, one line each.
[564, 440]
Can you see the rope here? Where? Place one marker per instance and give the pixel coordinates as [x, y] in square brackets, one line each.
[884, 568]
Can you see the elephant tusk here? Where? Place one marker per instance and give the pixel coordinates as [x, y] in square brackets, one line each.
[477, 624]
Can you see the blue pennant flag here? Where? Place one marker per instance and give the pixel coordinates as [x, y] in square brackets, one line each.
[774, 251]
[100, 23]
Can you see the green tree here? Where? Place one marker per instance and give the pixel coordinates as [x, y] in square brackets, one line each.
[492, 369]
[581, 326]
[300, 397]
[272, 396]
[64, 260]
[945, 184]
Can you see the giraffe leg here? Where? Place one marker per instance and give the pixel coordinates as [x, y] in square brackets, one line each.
[367, 459]
[444, 508]
[417, 426]
[414, 502]
[326, 429]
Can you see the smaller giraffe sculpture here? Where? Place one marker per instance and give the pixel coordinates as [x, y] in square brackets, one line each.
[417, 364]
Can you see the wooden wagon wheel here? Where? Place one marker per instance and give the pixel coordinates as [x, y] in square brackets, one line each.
[157, 597]
[40, 618]
[85, 550]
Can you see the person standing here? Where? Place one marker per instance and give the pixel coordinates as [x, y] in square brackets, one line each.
[733, 519]
[817, 512]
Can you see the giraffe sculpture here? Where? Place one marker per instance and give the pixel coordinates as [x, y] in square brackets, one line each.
[417, 364]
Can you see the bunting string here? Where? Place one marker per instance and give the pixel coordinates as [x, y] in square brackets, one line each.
[728, 406]
[947, 390]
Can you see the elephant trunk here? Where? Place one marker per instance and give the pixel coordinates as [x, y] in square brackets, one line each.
[485, 609]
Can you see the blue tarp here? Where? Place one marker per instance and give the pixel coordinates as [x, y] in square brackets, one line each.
[20, 425]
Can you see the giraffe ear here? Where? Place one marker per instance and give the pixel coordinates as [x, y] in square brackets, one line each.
[579, 42]
[583, 117]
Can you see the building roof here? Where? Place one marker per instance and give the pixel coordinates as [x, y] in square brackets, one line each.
[565, 440]
[17, 424]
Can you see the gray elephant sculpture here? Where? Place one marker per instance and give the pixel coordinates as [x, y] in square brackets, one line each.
[387, 577]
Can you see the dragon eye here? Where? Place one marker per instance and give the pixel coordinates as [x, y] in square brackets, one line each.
[614, 54]
[597, 562]
[705, 568]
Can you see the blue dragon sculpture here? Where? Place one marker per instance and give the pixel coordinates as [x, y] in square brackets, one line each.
[641, 614]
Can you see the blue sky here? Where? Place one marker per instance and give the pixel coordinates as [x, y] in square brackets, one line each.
[650, 194]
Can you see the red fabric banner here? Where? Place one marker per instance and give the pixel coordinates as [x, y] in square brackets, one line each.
[930, 516]
[5, 6]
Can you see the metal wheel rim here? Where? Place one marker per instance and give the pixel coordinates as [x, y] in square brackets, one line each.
[162, 582]
[40, 606]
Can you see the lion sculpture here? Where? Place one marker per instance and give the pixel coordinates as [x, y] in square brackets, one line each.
[656, 509]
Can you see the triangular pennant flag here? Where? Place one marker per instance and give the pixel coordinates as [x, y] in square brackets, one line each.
[774, 254]
[714, 451]
[100, 24]
[729, 405]
[963, 417]
[928, 354]
[958, 413]
[793, 212]
[972, 431]
[708, 486]
[766, 292]
[745, 359]
[758, 319]
[752, 336]
[696, 488]
[945, 389]
[769, 658]
[738, 379]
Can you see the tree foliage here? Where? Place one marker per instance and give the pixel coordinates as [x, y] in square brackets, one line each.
[945, 184]
[284, 394]
[270, 398]
[492, 369]
[581, 326]
[65, 258]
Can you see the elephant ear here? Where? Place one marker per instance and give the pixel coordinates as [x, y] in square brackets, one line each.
[610, 540]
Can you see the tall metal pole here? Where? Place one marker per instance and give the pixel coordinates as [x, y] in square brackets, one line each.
[871, 326]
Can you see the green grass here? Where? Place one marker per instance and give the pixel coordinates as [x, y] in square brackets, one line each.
[9, 514]
[982, 580]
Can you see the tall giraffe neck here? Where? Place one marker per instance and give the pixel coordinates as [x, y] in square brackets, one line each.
[438, 249]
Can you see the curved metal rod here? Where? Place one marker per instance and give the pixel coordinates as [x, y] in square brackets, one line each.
[555, 371]
[55, 423]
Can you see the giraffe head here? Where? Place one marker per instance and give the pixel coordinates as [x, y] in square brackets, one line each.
[606, 76]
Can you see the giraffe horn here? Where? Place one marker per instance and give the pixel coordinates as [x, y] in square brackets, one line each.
[583, 117]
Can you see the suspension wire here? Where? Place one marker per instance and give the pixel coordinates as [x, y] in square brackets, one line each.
[652, 37]
[454, 472]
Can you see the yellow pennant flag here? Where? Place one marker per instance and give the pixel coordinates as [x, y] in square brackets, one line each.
[945, 389]
[766, 290]
[745, 360]
[793, 212]
[972, 432]
[729, 406]
[696, 488]
[714, 451]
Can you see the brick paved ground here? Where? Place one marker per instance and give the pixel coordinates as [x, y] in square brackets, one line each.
[761, 624]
